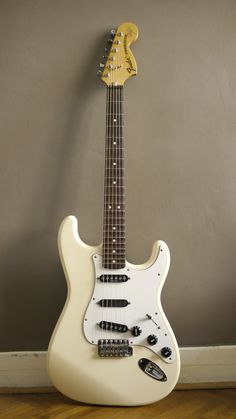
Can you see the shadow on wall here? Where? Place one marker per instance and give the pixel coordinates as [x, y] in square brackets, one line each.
[34, 288]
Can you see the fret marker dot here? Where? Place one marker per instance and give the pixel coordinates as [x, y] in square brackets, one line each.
[113, 261]
[113, 251]
[118, 207]
[114, 120]
[114, 164]
[109, 206]
[114, 228]
[114, 240]
[114, 142]
[114, 182]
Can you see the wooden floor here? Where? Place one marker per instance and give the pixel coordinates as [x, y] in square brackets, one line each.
[181, 404]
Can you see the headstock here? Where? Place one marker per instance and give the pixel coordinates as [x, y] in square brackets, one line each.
[119, 62]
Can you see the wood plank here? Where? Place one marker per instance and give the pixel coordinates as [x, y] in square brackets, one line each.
[194, 404]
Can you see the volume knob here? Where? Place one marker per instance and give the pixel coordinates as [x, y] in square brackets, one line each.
[166, 352]
[152, 340]
[136, 331]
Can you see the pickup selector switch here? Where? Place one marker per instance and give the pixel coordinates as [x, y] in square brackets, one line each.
[136, 331]
[152, 340]
[166, 352]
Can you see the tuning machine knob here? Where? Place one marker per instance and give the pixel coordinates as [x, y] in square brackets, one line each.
[101, 65]
[99, 72]
[113, 32]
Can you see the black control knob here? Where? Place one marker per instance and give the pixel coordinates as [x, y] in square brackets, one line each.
[136, 331]
[166, 352]
[152, 340]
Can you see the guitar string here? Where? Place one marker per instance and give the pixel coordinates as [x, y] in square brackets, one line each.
[113, 179]
[118, 168]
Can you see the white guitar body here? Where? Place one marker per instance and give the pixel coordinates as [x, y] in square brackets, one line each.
[74, 365]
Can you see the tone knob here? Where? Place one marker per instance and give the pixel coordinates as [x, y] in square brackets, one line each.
[152, 340]
[136, 331]
[166, 352]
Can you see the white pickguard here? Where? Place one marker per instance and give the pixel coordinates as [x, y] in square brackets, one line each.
[142, 291]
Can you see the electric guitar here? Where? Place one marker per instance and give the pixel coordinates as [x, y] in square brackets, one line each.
[112, 344]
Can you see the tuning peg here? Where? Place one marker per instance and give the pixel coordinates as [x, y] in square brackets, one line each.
[105, 56]
[101, 65]
[99, 72]
[106, 49]
[110, 41]
[112, 32]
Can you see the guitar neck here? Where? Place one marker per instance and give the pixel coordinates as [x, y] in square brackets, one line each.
[114, 201]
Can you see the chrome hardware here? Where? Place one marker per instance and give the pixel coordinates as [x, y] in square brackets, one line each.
[113, 32]
[101, 65]
[99, 72]
[152, 369]
[114, 348]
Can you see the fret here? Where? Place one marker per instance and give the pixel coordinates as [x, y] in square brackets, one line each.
[110, 239]
[114, 196]
[108, 232]
[114, 136]
[118, 240]
[107, 243]
[116, 170]
[113, 187]
[115, 126]
[117, 255]
[111, 218]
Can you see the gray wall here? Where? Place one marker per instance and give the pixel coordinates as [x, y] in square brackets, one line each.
[180, 149]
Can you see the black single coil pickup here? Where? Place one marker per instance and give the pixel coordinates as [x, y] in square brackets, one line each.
[113, 327]
[113, 278]
[113, 303]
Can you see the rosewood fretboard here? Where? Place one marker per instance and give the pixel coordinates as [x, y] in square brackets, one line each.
[114, 205]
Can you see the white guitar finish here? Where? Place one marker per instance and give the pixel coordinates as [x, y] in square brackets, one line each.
[73, 363]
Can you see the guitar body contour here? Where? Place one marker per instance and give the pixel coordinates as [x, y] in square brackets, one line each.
[74, 365]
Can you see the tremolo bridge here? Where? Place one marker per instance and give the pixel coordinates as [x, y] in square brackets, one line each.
[114, 348]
